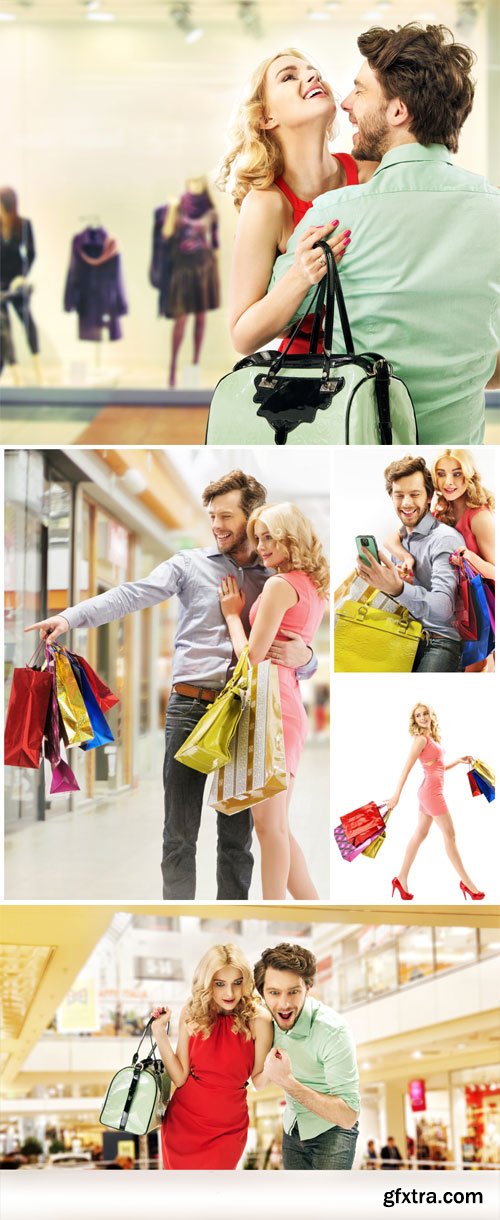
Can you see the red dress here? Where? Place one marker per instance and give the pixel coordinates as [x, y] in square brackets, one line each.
[300, 345]
[206, 1123]
[304, 619]
[464, 527]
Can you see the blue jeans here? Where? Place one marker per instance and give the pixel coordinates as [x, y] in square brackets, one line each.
[333, 1149]
[183, 792]
[437, 655]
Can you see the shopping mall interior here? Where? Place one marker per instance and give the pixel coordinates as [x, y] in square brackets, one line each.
[94, 135]
[79, 522]
[417, 990]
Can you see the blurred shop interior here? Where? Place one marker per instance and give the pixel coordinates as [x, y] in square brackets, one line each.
[78, 522]
[112, 111]
[416, 988]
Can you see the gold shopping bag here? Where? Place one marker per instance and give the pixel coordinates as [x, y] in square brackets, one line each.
[257, 767]
[487, 772]
[71, 705]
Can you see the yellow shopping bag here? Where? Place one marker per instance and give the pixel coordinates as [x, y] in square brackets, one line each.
[207, 746]
[71, 705]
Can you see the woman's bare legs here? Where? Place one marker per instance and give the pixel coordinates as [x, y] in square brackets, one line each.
[271, 827]
[417, 838]
[282, 860]
[177, 337]
[445, 823]
[300, 884]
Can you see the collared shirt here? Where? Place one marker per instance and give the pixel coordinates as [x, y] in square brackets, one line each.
[321, 1049]
[433, 595]
[203, 652]
[421, 281]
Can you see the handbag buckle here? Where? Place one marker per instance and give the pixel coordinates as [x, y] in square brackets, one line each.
[332, 385]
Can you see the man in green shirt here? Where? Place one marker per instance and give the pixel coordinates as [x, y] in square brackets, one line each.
[313, 1060]
[421, 277]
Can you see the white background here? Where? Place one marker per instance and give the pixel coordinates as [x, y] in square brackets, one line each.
[370, 745]
[360, 504]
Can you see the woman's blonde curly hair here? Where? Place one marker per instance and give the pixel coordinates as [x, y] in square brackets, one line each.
[288, 525]
[413, 726]
[254, 158]
[476, 494]
[201, 1009]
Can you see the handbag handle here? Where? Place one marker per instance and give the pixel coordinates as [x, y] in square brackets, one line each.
[147, 1030]
[334, 293]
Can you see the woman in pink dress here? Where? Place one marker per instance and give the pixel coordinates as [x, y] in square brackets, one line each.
[292, 600]
[223, 1039]
[424, 729]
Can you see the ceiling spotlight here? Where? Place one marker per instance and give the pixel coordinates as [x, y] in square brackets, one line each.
[181, 16]
[467, 14]
[249, 15]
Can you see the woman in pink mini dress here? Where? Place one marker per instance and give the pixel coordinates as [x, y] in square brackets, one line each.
[292, 601]
[424, 729]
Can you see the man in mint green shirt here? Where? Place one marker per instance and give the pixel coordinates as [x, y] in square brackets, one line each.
[421, 276]
[313, 1059]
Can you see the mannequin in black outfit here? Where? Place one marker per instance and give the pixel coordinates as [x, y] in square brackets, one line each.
[17, 254]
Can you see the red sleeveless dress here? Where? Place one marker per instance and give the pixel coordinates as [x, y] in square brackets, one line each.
[206, 1122]
[300, 345]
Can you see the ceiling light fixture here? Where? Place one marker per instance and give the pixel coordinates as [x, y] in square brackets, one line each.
[249, 15]
[181, 16]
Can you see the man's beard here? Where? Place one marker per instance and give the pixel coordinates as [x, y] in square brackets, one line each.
[238, 542]
[373, 141]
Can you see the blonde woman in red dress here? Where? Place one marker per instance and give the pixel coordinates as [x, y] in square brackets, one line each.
[224, 1037]
[293, 600]
[278, 162]
[425, 746]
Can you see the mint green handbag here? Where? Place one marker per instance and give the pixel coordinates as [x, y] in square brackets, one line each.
[138, 1095]
[316, 399]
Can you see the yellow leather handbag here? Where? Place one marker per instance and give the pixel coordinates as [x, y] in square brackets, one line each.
[368, 640]
[207, 746]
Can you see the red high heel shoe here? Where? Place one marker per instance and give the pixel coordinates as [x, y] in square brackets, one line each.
[396, 885]
[477, 896]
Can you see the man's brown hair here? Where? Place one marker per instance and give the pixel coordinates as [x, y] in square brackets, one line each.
[430, 72]
[285, 957]
[401, 468]
[252, 493]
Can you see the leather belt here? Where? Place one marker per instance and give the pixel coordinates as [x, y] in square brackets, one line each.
[204, 694]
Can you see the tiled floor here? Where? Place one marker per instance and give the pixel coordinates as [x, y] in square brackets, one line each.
[113, 851]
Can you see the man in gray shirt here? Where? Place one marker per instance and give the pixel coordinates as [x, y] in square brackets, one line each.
[203, 659]
[432, 596]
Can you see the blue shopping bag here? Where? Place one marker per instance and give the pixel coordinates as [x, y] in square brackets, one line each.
[478, 650]
[98, 722]
[487, 789]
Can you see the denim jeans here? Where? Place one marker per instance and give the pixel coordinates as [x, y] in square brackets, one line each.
[183, 793]
[333, 1149]
[437, 655]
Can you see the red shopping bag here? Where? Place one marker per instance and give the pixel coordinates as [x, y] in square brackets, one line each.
[360, 823]
[105, 697]
[26, 716]
[475, 789]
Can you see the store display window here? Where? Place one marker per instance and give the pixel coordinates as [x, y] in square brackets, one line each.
[415, 955]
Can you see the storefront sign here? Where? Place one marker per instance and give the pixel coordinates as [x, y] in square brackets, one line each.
[416, 1089]
[78, 1012]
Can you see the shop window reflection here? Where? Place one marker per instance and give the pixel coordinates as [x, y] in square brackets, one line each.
[24, 545]
[415, 955]
[455, 947]
[489, 941]
[381, 971]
